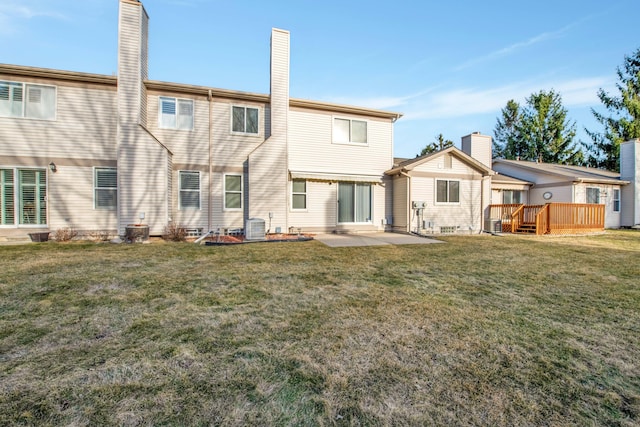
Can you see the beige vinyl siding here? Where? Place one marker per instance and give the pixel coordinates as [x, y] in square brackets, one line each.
[191, 217]
[234, 149]
[311, 147]
[630, 194]
[322, 208]
[466, 214]
[561, 194]
[400, 204]
[187, 146]
[71, 201]
[85, 126]
[142, 180]
[267, 183]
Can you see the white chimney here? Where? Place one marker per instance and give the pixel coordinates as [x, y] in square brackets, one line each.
[479, 147]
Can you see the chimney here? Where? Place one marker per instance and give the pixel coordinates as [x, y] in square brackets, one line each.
[268, 162]
[630, 194]
[133, 26]
[478, 146]
[279, 82]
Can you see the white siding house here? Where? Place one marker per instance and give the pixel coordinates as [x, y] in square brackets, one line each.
[444, 192]
[98, 152]
[552, 183]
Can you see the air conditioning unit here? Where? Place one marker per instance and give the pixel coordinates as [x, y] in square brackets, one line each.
[254, 229]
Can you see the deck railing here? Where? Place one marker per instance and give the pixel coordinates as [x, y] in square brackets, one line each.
[551, 218]
[503, 213]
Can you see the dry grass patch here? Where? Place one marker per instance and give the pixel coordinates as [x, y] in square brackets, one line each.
[480, 331]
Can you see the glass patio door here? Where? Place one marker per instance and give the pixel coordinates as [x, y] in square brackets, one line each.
[32, 196]
[354, 202]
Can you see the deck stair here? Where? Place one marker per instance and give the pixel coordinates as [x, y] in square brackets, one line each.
[527, 228]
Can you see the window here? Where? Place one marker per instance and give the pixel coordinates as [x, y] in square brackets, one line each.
[175, 113]
[244, 120]
[354, 202]
[299, 194]
[616, 200]
[233, 191]
[447, 191]
[39, 103]
[593, 195]
[7, 197]
[189, 190]
[345, 130]
[511, 197]
[105, 183]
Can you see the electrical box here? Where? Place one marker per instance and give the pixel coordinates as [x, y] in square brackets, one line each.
[418, 205]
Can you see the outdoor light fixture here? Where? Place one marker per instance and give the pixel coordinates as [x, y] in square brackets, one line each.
[52, 167]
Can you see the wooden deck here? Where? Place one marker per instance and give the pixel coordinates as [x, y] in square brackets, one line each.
[550, 218]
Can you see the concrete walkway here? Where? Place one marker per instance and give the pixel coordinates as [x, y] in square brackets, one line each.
[372, 239]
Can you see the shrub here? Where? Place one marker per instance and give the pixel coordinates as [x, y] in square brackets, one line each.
[174, 233]
[65, 234]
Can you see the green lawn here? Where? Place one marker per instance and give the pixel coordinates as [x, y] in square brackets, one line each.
[481, 330]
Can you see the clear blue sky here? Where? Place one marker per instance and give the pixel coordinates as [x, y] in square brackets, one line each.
[448, 66]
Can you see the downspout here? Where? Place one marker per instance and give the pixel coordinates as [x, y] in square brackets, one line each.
[482, 204]
[408, 204]
[210, 201]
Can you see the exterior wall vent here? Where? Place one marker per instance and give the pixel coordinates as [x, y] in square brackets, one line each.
[255, 229]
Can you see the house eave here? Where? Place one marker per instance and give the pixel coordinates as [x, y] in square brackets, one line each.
[48, 73]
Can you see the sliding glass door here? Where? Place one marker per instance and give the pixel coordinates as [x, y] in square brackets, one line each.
[25, 189]
[354, 202]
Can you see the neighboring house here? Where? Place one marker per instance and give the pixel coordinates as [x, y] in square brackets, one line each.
[445, 192]
[555, 183]
[98, 152]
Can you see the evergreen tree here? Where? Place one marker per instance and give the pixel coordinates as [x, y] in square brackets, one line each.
[623, 123]
[538, 132]
[546, 130]
[508, 142]
[439, 144]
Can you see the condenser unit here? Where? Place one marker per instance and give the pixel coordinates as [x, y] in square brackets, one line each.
[254, 229]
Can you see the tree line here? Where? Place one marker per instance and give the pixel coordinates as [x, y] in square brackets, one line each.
[539, 130]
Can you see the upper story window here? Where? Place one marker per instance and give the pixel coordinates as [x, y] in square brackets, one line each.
[447, 191]
[175, 113]
[349, 131]
[105, 188]
[27, 100]
[244, 120]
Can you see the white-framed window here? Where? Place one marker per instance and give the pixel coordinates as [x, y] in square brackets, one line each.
[7, 197]
[27, 100]
[616, 200]
[189, 189]
[349, 131]
[105, 188]
[245, 120]
[447, 191]
[299, 194]
[233, 192]
[175, 113]
[593, 195]
[510, 197]
[354, 202]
